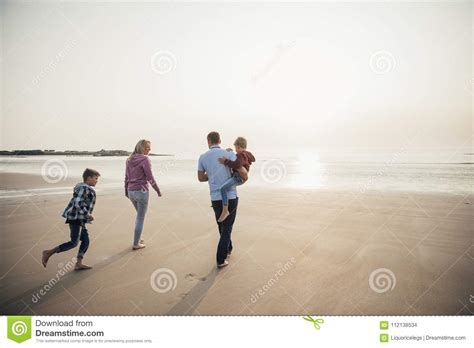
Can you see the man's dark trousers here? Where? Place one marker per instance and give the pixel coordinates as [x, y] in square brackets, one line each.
[225, 228]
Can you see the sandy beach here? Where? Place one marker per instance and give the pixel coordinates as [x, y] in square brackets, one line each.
[295, 252]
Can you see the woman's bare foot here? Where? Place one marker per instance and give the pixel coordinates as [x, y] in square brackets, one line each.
[224, 215]
[139, 246]
[46, 255]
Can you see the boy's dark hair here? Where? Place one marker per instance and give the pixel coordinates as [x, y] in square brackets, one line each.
[214, 138]
[89, 172]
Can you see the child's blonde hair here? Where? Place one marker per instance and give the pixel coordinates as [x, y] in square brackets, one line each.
[241, 141]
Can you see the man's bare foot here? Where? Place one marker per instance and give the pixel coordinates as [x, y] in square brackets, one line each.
[223, 264]
[81, 267]
[46, 255]
[224, 215]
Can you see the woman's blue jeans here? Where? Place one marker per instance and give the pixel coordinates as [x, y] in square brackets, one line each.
[139, 200]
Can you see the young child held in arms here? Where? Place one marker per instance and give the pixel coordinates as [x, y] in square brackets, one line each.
[240, 168]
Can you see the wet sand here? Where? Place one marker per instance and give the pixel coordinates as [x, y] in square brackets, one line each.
[295, 252]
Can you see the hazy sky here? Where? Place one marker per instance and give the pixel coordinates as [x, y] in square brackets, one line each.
[286, 76]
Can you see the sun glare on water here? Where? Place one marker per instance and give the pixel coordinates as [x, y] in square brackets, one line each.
[309, 172]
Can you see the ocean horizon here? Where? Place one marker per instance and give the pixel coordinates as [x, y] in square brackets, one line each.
[411, 171]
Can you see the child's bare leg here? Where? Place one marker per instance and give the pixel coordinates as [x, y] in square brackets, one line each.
[225, 199]
[224, 214]
[80, 266]
[47, 254]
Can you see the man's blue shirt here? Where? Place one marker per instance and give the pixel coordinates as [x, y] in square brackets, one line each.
[217, 173]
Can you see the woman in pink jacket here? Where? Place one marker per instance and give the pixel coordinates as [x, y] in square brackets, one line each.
[137, 176]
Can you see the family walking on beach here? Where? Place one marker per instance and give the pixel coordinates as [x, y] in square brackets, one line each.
[222, 169]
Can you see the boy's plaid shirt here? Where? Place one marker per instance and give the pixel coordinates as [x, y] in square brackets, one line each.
[81, 204]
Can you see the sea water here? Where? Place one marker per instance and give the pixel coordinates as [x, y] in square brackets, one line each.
[446, 172]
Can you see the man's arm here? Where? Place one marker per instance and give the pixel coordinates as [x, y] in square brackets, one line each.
[202, 176]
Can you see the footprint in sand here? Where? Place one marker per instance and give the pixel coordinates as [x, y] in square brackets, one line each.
[192, 276]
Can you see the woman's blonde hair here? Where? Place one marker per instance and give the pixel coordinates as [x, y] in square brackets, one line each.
[140, 147]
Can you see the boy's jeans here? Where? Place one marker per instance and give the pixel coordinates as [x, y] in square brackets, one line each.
[139, 200]
[78, 233]
[234, 180]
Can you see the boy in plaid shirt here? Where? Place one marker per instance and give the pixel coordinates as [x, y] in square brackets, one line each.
[77, 213]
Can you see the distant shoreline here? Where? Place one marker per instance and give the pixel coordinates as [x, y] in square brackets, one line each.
[101, 153]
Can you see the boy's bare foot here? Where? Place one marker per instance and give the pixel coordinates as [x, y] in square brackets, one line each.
[46, 255]
[224, 215]
[81, 267]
